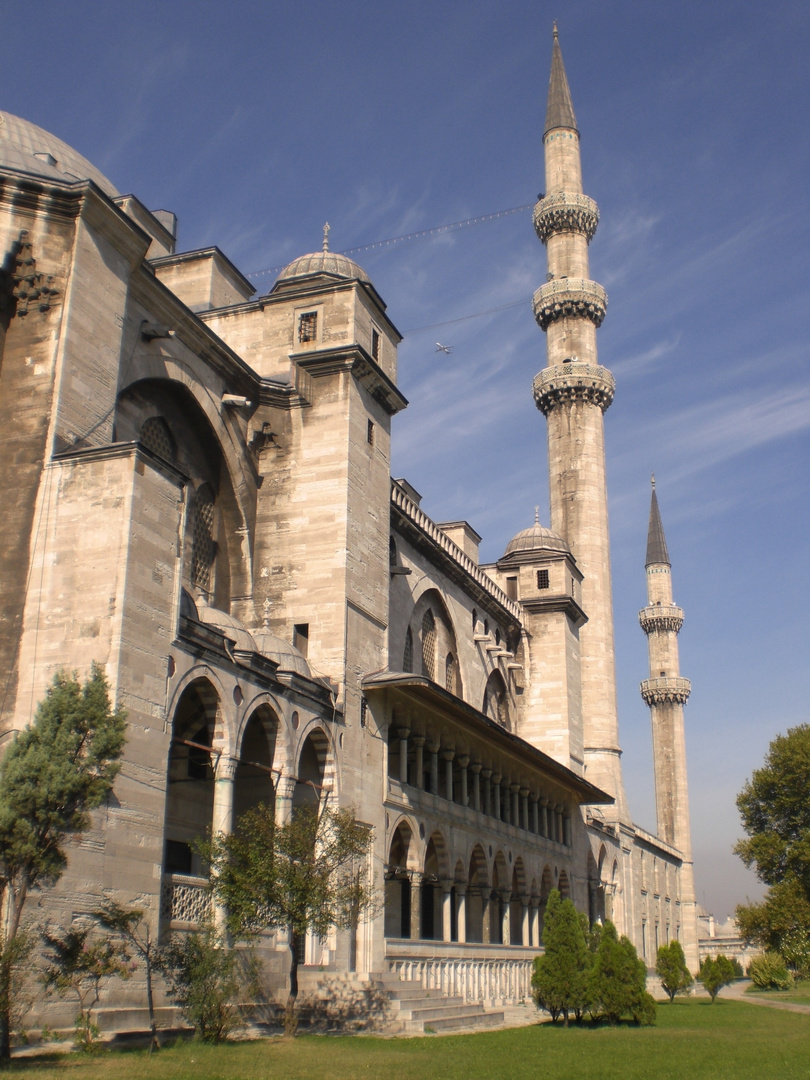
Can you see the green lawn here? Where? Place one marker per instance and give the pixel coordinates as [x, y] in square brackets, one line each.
[693, 1040]
[799, 995]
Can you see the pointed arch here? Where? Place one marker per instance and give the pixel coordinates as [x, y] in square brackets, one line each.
[254, 782]
[401, 857]
[429, 645]
[496, 701]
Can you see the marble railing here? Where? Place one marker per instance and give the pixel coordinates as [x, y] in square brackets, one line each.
[497, 979]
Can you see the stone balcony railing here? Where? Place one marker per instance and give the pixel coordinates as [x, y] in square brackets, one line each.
[569, 297]
[565, 211]
[667, 688]
[573, 381]
[185, 899]
[661, 617]
[490, 974]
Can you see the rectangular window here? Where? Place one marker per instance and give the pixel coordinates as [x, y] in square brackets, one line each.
[177, 858]
[542, 579]
[301, 638]
[511, 588]
[370, 433]
[307, 327]
[375, 344]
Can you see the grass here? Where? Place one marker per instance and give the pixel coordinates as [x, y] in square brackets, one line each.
[798, 995]
[693, 1040]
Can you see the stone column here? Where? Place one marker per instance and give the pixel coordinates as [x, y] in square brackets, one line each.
[524, 808]
[461, 912]
[535, 816]
[496, 791]
[525, 925]
[486, 775]
[486, 928]
[403, 733]
[433, 748]
[558, 821]
[463, 762]
[284, 795]
[222, 816]
[567, 829]
[544, 819]
[448, 755]
[418, 742]
[535, 919]
[475, 769]
[506, 918]
[515, 789]
[506, 805]
[447, 911]
[416, 906]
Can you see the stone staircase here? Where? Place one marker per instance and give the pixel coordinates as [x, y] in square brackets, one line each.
[414, 1010]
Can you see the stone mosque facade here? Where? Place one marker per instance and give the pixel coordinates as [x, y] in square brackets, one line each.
[196, 493]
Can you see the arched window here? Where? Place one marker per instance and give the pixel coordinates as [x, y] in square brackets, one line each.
[203, 547]
[450, 673]
[407, 659]
[155, 436]
[496, 705]
[429, 645]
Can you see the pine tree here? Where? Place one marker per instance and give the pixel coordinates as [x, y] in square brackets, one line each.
[52, 775]
[559, 979]
[617, 985]
[672, 970]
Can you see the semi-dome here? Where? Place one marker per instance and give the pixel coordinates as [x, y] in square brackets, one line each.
[28, 148]
[285, 655]
[536, 538]
[232, 628]
[324, 262]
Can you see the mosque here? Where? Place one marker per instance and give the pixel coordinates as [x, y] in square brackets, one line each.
[196, 493]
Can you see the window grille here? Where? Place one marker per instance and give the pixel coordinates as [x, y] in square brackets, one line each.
[202, 538]
[542, 579]
[429, 645]
[307, 327]
[155, 436]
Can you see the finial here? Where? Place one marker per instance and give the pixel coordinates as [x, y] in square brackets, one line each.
[266, 617]
[555, 29]
[653, 479]
[537, 515]
[326, 237]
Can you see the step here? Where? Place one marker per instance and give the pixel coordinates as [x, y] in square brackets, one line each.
[416, 1009]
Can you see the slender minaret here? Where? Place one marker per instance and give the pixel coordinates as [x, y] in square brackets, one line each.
[666, 693]
[572, 391]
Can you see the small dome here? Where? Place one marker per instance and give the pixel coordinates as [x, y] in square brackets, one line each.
[232, 629]
[536, 538]
[282, 652]
[324, 262]
[28, 148]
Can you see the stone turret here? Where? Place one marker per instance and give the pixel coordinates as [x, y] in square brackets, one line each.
[666, 693]
[573, 391]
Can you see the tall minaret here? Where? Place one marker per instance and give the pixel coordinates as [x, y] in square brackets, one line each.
[666, 692]
[572, 391]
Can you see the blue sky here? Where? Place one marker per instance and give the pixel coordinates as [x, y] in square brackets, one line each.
[257, 122]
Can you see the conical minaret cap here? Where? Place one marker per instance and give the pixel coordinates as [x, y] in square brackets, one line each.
[560, 108]
[657, 554]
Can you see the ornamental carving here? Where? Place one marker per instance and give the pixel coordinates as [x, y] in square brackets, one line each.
[565, 212]
[666, 689]
[573, 382]
[29, 287]
[660, 617]
[569, 297]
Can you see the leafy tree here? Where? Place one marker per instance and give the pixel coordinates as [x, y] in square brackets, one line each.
[52, 775]
[129, 925]
[617, 983]
[715, 974]
[672, 970]
[781, 923]
[205, 980]
[307, 874]
[79, 965]
[559, 978]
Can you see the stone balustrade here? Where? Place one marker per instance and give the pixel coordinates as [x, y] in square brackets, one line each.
[493, 980]
[666, 689]
[658, 617]
[185, 899]
[565, 211]
[567, 296]
[573, 381]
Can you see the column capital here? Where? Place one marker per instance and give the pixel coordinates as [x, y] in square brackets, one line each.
[476, 767]
[514, 787]
[418, 740]
[486, 774]
[403, 730]
[463, 760]
[226, 769]
[448, 753]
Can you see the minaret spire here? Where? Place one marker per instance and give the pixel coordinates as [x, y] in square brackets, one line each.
[666, 693]
[656, 541]
[560, 108]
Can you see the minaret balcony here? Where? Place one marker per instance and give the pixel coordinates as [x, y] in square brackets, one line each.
[573, 382]
[569, 297]
[565, 212]
[670, 688]
[661, 617]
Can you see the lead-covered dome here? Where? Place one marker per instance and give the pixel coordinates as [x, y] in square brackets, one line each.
[331, 263]
[25, 147]
[285, 655]
[536, 538]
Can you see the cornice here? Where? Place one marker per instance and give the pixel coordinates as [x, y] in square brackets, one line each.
[539, 605]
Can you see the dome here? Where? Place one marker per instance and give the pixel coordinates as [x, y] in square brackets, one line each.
[28, 148]
[324, 262]
[536, 538]
[282, 652]
[229, 626]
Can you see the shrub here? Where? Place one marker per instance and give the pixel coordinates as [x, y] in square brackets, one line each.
[617, 984]
[769, 972]
[672, 970]
[715, 974]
